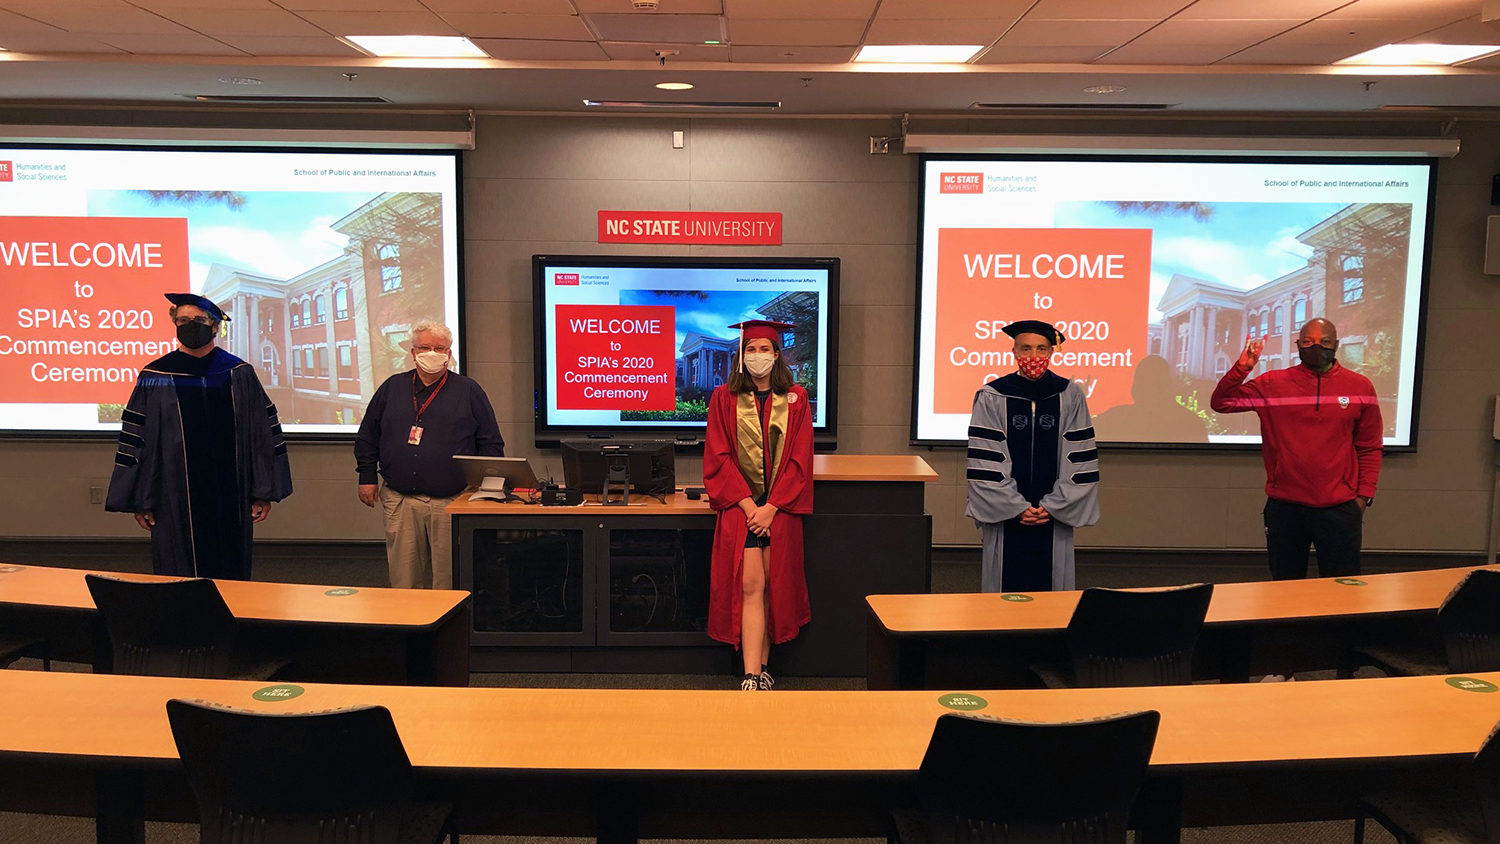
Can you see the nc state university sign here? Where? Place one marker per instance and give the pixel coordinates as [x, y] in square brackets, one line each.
[700, 227]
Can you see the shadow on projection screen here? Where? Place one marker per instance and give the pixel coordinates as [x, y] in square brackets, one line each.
[1158, 271]
[323, 260]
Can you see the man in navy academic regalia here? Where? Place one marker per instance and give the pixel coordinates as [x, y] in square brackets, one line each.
[201, 455]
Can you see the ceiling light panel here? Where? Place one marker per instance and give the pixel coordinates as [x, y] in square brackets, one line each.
[1407, 55]
[918, 53]
[417, 46]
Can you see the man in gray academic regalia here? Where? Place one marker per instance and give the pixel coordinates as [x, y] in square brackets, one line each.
[1033, 470]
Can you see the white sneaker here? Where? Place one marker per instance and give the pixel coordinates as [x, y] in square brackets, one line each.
[751, 683]
[765, 681]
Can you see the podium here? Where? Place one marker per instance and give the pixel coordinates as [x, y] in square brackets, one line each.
[594, 588]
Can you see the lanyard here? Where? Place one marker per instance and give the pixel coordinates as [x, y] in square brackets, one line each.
[425, 404]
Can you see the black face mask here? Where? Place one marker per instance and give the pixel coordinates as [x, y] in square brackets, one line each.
[1317, 358]
[195, 335]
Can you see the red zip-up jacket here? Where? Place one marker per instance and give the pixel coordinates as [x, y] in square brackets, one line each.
[1321, 433]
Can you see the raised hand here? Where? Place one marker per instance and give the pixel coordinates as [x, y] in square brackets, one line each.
[1251, 355]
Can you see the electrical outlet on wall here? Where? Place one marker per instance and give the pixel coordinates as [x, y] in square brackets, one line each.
[96, 495]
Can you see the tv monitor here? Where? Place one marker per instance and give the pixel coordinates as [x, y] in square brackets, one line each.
[634, 347]
[324, 259]
[1158, 270]
[651, 464]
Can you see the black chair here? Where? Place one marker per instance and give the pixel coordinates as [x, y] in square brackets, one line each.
[1467, 814]
[12, 649]
[1469, 623]
[991, 781]
[340, 776]
[172, 628]
[1132, 638]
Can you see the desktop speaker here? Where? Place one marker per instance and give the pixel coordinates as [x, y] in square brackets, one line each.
[561, 497]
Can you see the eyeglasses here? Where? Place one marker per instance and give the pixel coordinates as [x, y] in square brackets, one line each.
[201, 320]
[420, 349]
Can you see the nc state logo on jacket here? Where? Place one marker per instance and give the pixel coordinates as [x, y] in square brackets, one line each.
[1344, 402]
[1019, 422]
[791, 398]
[1046, 420]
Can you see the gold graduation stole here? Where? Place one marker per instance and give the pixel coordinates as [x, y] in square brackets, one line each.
[752, 444]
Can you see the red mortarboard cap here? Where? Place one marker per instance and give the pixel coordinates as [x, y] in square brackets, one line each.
[762, 329]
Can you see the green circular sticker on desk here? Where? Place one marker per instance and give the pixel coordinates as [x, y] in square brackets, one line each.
[11, 569]
[1349, 581]
[339, 593]
[965, 702]
[1015, 597]
[285, 691]
[1470, 684]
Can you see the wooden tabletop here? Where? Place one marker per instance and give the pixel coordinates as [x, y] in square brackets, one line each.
[252, 600]
[1232, 603]
[871, 467]
[85, 715]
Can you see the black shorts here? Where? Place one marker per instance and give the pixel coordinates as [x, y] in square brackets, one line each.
[753, 541]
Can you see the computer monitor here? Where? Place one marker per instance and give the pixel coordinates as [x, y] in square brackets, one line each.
[650, 464]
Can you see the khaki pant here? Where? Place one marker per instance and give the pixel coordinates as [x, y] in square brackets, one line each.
[418, 540]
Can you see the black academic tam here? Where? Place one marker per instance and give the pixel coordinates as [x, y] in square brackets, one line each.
[1035, 326]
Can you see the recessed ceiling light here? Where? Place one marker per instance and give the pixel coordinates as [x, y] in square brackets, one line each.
[1421, 54]
[917, 53]
[239, 80]
[1104, 89]
[417, 46]
[675, 86]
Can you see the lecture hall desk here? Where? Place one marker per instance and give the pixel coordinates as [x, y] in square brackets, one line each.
[624, 764]
[991, 640]
[339, 634]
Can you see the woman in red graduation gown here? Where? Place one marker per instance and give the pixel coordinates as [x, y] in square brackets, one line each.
[757, 466]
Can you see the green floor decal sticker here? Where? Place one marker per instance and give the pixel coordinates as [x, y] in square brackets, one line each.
[11, 569]
[1016, 597]
[1470, 684]
[339, 593]
[1349, 581]
[969, 702]
[285, 691]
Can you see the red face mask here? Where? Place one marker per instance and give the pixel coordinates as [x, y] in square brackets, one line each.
[1033, 367]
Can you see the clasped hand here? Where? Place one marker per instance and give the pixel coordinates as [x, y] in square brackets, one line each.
[758, 519]
[1035, 516]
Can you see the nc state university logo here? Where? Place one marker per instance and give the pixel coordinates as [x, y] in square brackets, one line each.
[1019, 422]
[5, 171]
[565, 278]
[1344, 402]
[961, 183]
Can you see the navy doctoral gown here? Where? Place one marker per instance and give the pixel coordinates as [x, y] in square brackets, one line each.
[199, 443]
[1031, 443]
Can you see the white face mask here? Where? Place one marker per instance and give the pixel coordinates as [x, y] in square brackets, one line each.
[759, 364]
[432, 362]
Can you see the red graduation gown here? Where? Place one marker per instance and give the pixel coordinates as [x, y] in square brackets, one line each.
[791, 493]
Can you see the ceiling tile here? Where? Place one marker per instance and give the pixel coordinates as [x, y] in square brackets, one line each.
[53, 41]
[787, 9]
[750, 54]
[247, 22]
[522, 50]
[667, 7]
[1176, 34]
[1276, 51]
[1106, 9]
[1041, 55]
[191, 44]
[379, 23]
[1359, 33]
[1240, 9]
[509, 7]
[761, 32]
[353, 5]
[12, 23]
[91, 4]
[1072, 33]
[1471, 31]
[533, 27]
[982, 9]
[1445, 11]
[1138, 53]
[658, 29]
[124, 19]
[646, 52]
[167, 5]
[277, 45]
[913, 31]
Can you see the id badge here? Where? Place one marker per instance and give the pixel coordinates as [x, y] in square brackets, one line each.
[415, 437]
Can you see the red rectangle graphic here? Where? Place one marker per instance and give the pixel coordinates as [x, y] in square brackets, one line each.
[961, 183]
[565, 279]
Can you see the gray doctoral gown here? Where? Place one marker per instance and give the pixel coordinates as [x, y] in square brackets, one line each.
[1031, 443]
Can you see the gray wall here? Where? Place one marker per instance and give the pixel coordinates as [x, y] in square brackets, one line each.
[536, 183]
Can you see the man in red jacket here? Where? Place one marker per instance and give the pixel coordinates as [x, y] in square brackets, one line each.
[1321, 433]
